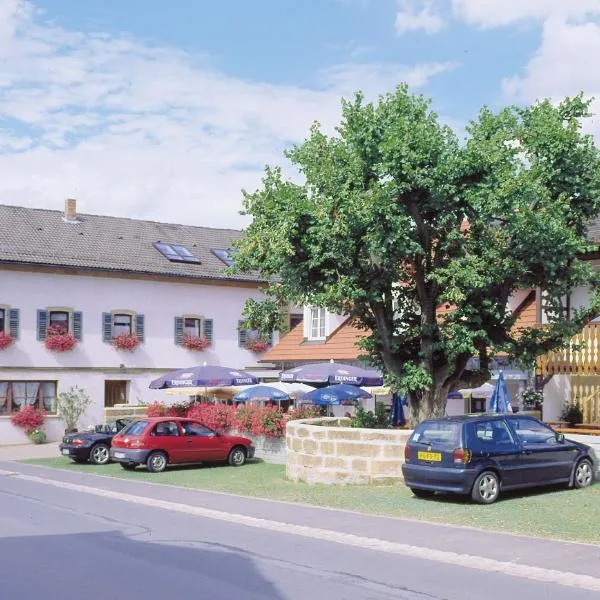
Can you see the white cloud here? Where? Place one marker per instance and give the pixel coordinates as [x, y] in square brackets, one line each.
[137, 130]
[418, 15]
[496, 13]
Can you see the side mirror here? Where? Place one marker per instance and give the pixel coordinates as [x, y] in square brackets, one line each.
[560, 438]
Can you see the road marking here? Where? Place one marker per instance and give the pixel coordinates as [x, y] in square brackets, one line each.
[539, 574]
[3, 472]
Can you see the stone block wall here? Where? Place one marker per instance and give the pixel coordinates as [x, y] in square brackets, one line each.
[326, 450]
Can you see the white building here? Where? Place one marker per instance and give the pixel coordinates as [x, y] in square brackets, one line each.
[97, 277]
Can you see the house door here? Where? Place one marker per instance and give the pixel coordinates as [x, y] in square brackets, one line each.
[115, 392]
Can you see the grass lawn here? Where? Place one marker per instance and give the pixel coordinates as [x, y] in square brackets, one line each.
[554, 512]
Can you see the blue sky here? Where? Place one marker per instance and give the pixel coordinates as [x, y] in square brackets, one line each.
[163, 110]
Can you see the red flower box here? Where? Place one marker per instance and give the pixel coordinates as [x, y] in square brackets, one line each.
[195, 343]
[257, 346]
[6, 340]
[126, 341]
[59, 339]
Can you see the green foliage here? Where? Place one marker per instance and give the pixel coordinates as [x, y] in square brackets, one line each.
[396, 217]
[71, 406]
[370, 420]
[572, 414]
[531, 399]
[264, 316]
[37, 436]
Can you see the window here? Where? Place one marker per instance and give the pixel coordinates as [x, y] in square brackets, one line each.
[168, 428]
[317, 323]
[224, 255]
[135, 428]
[115, 392]
[438, 432]
[485, 435]
[248, 337]
[15, 394]
[191, 428]
[192, 326]
[532, 432]
[176, 252]
[2, 320]
[122, 324]
[58, 320]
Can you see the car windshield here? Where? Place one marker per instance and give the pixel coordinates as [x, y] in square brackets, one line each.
[441, 433]
[135, 428]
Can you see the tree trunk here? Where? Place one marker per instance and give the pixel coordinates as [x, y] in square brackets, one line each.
[428, 404]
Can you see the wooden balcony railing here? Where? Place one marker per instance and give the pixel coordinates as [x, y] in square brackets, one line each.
[587, 397]
[581, 357]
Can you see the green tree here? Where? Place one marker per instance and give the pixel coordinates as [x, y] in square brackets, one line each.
[396, 217]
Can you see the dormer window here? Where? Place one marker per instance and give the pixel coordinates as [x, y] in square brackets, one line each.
[317, 323]
[176, 252]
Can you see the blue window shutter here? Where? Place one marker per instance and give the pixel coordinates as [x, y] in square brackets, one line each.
[140, 328]
[178, 330]
[208, 330]
[241, 334]
[77, 325]
[42, 324]
[269, 339]
[107, 328]
[13, 322]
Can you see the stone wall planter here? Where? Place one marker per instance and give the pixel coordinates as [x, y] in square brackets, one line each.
[326, 450]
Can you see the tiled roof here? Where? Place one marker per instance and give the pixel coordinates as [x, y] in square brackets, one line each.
[526, 313]
[340, 345]
[42, 237]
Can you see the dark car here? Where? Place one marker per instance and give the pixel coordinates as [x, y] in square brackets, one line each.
[92, 446]
[157, 442]
[482, 455]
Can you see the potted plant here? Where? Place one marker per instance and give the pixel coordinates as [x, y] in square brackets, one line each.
[126, 341]
[195, 343]
[6, 340]
[71, 405]
[59, 339]
[572, 415]
[531, 399]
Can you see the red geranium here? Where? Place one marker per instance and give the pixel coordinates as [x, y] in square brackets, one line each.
[156, 409]
[195, 343]
[257, 345]
[126, 341]
[6, 340]
[58, 339]
[29, 418]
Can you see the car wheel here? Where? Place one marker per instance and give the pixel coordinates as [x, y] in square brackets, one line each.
[99, 454]
[128, 466]
[486, 488]
[422, 493]
[584, 474]
[156, 462]
[237, 456]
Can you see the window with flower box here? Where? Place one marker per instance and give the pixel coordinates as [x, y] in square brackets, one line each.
[9, 322]
[16, 394]
[252, 339]
[59, 321]
[123, 322]
[188, 328]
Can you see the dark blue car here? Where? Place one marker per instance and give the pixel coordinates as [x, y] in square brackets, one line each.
[481, 455]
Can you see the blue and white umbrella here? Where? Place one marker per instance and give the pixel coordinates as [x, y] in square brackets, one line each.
[263, 393]
[500, 400]
[205, 375]
[331, 373]
[335, 394]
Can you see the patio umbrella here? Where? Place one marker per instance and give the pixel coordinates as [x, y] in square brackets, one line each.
[500, 400]
[397, 413]
[205, 375]
[332, 373]
[261, 392]
[483, 391]
[335, 394]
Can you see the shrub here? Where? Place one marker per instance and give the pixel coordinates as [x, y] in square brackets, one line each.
[178, 409]
[126, 341]
[58, 339]
[370, 420]
[29, 418]
[195, 343]
[572, 414]
[6, 340]
[156, 409]
[71, 405]
[37, 436]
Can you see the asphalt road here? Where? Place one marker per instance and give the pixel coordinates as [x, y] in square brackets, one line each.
[63, 543]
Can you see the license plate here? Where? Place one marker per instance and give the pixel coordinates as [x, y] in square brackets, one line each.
[65, 451]
[430, 456]
[119, 455]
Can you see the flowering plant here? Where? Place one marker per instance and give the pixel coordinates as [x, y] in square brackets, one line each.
[195, 343]
[5, 340]
[257, 345]
[58, 339]
[37, 436]
[29, 418]
[126, 341]
[531, 399]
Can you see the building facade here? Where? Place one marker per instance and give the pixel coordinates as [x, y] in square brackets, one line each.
[126, 297]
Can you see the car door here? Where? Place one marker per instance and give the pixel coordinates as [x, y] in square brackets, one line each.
[166, 435]
[544, 458]
[492, 441]
[201, 443]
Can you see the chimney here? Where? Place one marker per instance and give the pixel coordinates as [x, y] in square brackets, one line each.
[70, 209]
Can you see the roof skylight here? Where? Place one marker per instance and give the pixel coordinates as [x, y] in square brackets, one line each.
[224, 254]
[176, 252]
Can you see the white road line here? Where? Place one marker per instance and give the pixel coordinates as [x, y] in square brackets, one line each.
[479, 563]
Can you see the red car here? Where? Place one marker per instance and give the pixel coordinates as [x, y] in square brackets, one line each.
[157, 442]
